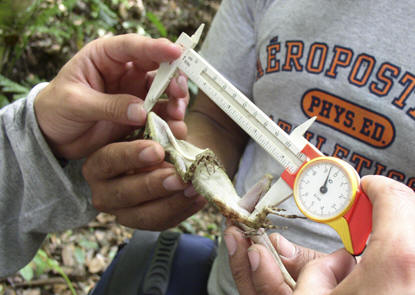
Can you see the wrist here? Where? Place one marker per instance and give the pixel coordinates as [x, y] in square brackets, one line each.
[42, 112]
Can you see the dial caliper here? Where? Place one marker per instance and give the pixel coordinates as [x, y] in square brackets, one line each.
[326, 189]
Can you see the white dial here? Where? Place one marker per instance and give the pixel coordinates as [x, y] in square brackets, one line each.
[325, 188]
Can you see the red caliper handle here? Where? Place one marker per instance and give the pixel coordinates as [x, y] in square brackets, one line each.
[359, 218]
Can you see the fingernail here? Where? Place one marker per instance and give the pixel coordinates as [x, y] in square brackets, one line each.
[173, 183]
[136, 113]
[176, 46]
[182, 82]
[149, 155]
[230, 244]
[285, 247]
[190, 192]
[181, 107]
[254, 258]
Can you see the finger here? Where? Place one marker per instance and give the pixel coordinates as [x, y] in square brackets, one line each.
[323, 275]
[171, 109]
[179, 128]
[393, 205]
[178, 98]
[178, 87]
[266, 274]
[119, 108]
[178, 94]
[137, 82]
[118, 158]
[293, 256]
[162, 213]
[237, 246]
[145, 52]
[94, 138]
[84, 104]
[174, 108]
[135, 189]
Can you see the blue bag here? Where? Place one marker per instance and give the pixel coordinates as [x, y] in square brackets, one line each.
[153, 263]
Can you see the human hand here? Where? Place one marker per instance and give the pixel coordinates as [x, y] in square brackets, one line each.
[250, 281]
[131, 181]
[386, 267]
[97, 96]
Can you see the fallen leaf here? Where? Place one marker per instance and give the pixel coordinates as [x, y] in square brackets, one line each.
[97, 264]
[68, 255]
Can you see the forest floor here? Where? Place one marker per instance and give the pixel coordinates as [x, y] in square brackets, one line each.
[83, 254]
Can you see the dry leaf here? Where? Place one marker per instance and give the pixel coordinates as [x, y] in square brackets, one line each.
[97, 264]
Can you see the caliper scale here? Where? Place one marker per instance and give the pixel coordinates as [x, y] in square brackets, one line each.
[326, 189]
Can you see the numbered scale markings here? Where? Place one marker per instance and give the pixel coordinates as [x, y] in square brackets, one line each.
[245, 113]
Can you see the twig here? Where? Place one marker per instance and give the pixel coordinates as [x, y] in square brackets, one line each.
[40, 282]
[261, 237]
[277, 213]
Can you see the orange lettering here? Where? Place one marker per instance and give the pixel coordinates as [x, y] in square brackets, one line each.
[260, 71]
[320, 142]
[293, 55]
[379, 169]
[340, 152]
[409, 80]
[273, 64]
[349, 118]
[360, 162]
[308, 135]
[360, 60]
[342, 58]
[381, 75]
[396, 175]
[411, 113]
[411, 183]
[311, 58]
[284, 126]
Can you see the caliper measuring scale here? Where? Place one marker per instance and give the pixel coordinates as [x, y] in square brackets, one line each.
[293, 152]
[245, 113]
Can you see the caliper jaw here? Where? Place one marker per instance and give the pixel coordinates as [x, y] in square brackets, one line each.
[282, 189]
[167, 70]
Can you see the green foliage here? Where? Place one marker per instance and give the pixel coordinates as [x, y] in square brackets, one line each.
[65, 22]
[13, 89]
[42, 263]
[49, 32]
[60, 27]
[38, 36]
[14, 16]
[196, 226]
[27, 272]
[157, 23]
[102, 13]
[79, 254]
[88, 244]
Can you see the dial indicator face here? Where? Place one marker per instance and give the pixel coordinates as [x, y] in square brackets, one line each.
[324, 189]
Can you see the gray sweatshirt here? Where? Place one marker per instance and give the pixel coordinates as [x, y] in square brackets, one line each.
[37, 195]
[349, 62]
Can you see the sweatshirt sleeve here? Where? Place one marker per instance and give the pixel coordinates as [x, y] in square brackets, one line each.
[37, 195]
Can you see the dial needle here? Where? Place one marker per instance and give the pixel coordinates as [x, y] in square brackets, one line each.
[323, 188]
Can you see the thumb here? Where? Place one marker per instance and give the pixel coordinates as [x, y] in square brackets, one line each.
[293, 256]
[118, 108]
[324, 274]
